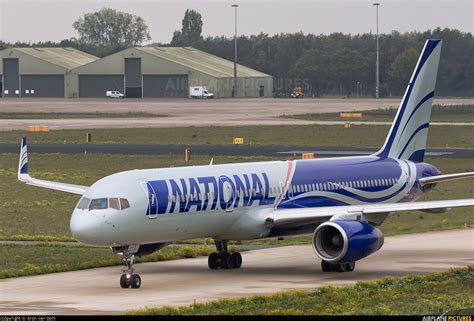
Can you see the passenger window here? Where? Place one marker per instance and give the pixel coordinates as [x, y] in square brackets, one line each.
[124, 203]
[83, 203]
[98, 204]
[114, 203]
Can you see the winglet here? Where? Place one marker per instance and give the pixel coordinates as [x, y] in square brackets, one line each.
[23, 162]
[24, 177]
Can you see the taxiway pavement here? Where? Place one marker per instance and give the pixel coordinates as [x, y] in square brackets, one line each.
[181, 282]
[187, 112]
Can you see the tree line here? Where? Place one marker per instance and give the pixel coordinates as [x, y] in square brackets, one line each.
[323, 65]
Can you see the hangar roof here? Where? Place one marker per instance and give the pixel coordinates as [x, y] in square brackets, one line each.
[68, 58]
[202, 61]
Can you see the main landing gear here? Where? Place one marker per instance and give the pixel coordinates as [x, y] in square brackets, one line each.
[223, 259]
[128, 278]
[337, 267]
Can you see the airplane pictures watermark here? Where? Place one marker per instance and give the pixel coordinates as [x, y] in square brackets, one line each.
[447, 318]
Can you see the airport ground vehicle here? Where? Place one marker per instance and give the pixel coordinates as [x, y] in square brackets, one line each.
[297, 93]
[114, 94]
[200, 92]
[342, 200]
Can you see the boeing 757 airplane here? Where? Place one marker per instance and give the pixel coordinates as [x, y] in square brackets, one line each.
[340, 200]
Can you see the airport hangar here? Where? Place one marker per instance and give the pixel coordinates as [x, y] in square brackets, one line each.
[139, 72]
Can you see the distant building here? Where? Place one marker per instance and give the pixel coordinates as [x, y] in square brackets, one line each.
[142, 72]
[39, 72]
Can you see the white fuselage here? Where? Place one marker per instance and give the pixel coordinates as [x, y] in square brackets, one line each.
[230, 201]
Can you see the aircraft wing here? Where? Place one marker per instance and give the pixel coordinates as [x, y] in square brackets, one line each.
[26, 178]
[312, 215]
[443, 178]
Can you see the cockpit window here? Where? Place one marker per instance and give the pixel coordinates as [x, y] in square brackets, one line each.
[98, 204]
[83, 203]
[114, 203]
[124, 203]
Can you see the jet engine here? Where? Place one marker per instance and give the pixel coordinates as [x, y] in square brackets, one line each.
[346, 241]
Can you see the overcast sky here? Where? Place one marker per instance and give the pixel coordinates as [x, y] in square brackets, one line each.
[42, 20]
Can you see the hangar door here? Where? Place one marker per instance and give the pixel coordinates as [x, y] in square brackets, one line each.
[171, 86]
[11, 78]
[133, 77]
[91, 86]
[42, 86]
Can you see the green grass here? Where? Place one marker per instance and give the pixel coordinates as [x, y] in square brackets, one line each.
[19, 260]
[429, 294]
[22, 115]
[295, 135]
[440, 113]
[31, 213]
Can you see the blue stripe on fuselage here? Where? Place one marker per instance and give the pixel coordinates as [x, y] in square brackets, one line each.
[253, 189]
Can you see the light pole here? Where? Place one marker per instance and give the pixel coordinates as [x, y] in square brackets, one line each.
[234, 81]
[377, 88]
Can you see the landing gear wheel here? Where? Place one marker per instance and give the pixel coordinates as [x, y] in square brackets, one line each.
[124, 281]
[135, 281]
[213, 261]
[236, 260]
[326, 266]
[350, 266]
[226, 262]
[340, 267]
[128, 278]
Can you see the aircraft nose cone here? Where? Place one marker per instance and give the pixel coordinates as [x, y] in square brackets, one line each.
[86, 227]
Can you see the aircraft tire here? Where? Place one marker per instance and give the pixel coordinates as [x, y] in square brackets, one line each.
[124, 281]
[213, 261]
[236, 259]
[135, 281]
[226, 261]
[350, 266]
[326, 266]
[340, 267]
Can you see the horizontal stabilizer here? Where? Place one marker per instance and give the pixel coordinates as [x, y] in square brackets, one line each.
[444, 178]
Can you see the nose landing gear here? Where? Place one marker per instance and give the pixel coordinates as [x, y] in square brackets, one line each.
[128, 278]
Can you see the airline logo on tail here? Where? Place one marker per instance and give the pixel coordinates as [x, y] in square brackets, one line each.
[409, 132]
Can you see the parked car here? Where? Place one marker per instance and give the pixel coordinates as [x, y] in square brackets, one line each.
[114, 94]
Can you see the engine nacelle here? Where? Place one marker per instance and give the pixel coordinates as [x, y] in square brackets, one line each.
[346, 241]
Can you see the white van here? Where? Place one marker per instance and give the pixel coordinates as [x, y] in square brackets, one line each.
[200, 92]
[114, 94]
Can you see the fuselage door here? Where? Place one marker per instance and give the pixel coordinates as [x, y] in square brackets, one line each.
[152, 210]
